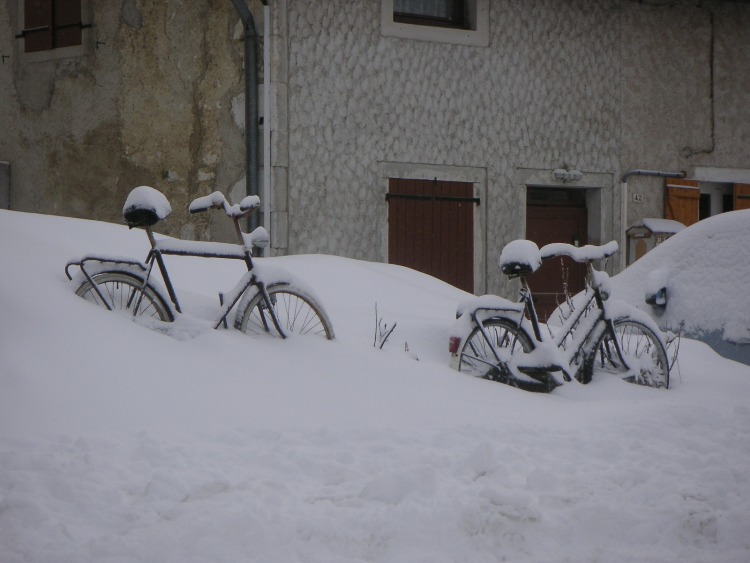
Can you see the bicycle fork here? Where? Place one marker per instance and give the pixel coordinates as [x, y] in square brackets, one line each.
[618, 348]
[269, 307]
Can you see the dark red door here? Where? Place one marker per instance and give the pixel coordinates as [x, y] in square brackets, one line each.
[431, 228]
[556, 215]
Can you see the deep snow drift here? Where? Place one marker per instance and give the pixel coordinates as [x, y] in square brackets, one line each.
[121, 443]
[706, 270]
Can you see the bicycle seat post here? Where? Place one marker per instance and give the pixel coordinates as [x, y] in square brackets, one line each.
[150, 235]
[528, 299]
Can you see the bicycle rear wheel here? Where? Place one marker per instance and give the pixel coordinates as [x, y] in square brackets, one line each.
[645, 358]
[477, 357]
[296, 311]
[122, 292]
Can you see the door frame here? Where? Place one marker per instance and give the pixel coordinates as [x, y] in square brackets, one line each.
[421, 171]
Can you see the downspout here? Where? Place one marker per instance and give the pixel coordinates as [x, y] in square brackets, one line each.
[267, 121]
[251, 102]
[624, 203]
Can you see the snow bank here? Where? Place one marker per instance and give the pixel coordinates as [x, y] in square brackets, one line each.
[705, 269]
[121, 443]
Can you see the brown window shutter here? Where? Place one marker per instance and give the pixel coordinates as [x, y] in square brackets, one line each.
[67, 23]
[431, 228]
[681, 200]
[741, 196]
[37, 16]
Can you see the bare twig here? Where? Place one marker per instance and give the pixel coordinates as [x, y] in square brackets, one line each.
[382, 332]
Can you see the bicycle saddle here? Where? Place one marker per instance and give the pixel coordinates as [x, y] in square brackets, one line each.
[520, 258]
[145, 207]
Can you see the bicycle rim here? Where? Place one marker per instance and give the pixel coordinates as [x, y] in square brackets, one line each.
[645, 358]
[297, 313]
[477, 356]
[122, 292]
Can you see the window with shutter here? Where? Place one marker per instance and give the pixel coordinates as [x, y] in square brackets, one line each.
[682, 201]
[444, 13]
[459, 22]
[51, 24]
[741, 196]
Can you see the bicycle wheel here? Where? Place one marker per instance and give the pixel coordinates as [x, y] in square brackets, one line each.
[297, 313]
[122, 292]
[642, 351]
[477, 357]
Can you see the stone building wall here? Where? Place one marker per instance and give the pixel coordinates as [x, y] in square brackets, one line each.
[146, 103]
[601, 87]
[685, 92]
[543, 95]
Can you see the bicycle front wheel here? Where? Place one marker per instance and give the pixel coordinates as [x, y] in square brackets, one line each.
[645, 359]
[478, 354]
[297, 314]
[122, 292]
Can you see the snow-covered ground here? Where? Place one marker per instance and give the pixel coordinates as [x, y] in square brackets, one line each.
[119, 443]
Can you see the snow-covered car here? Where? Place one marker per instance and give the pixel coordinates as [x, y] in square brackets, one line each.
[698, 281]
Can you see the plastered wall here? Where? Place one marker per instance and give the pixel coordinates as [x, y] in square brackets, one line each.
[601, 87]
[148, 102]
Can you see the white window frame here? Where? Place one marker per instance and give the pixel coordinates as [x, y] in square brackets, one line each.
[477, 35]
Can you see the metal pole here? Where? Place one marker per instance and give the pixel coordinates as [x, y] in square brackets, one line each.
[267, 122]
[251, 102]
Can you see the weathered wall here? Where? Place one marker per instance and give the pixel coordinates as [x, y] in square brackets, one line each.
[602, 87]
[147, 103]
[544, 94]
[685, 92]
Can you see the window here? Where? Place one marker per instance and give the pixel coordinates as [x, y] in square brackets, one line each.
[442, 13]
[51, 24]
[460, 22]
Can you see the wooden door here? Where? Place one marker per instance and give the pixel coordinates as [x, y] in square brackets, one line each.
[741, 196]
[555, 215]
[682, 201]
[431, 228]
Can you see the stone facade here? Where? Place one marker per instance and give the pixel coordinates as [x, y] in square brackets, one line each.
[146, 102]
[601, 87]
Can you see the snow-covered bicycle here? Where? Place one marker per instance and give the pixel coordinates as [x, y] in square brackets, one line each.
[507, 343]
[267, 300]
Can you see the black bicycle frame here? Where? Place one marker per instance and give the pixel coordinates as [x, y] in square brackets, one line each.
[157, 255]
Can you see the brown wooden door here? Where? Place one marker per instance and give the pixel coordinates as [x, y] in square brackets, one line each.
[431, 228]
[682, 201]
[552, 216]
[741, 196]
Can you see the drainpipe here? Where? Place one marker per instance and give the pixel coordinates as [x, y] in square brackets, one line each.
[267, 121]
[251, 102]
[624, 203]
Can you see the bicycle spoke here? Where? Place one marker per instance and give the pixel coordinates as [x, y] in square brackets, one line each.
[295, 312]
[645, 358]
[123, 292]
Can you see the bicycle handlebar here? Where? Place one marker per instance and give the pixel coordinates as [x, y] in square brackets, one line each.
[217, 200]
[588, 253]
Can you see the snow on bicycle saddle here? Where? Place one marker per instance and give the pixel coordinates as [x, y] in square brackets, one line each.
[145, 207]
[520, 257]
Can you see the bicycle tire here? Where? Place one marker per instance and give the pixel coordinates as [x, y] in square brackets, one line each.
[477, 358]
[121, 289]
[297, 312]
[642, 350]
